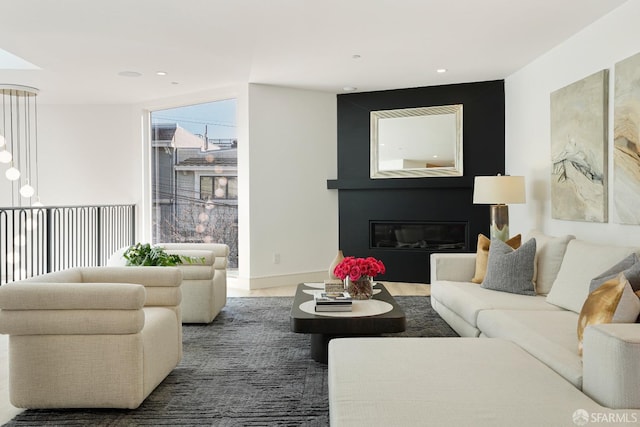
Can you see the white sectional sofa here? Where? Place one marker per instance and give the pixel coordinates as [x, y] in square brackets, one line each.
[546, 325]
[542, 327]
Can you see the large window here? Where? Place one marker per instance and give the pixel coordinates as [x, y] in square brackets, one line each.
[194, 175]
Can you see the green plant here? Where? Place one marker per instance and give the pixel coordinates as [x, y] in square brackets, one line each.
[147, 255]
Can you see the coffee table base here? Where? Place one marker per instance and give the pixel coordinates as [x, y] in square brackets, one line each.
[358, 323]
[320, 344]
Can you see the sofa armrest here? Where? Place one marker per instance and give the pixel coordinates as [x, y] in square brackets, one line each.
[71, 296]
[611, 365]
[454, 267]
[29, 308]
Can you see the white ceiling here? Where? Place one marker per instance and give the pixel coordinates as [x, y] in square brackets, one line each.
[81, 46]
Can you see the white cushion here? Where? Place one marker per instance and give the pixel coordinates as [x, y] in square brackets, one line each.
[467, 299]
[445, 382]
[549, 336]
[550, 251]
[582, 262]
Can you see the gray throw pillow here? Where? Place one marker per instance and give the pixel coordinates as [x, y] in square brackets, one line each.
[510, 270]
[630, 266]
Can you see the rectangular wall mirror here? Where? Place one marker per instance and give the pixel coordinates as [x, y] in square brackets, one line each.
[417, 142]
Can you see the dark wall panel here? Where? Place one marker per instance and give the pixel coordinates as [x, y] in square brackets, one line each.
[362, 200]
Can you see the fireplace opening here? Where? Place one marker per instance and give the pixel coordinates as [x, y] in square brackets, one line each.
[430, 236]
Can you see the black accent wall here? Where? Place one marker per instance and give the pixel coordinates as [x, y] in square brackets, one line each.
[441, 199]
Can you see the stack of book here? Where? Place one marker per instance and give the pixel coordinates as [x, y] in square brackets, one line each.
[333, 301]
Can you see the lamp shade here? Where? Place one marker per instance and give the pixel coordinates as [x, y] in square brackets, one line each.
[494, 190]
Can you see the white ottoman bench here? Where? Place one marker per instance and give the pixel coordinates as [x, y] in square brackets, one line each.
[449, 382]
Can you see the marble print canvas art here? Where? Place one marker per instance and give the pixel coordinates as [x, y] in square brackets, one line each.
[626, 141]
[579, 150]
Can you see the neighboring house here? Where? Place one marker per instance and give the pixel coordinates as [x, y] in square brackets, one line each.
[194, 188]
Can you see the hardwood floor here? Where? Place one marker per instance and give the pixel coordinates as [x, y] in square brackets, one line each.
[8, 411]
[394, 288]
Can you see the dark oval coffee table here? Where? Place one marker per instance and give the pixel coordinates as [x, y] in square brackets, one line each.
[323, 327]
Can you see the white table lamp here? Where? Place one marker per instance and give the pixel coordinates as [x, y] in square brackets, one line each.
[499, 191]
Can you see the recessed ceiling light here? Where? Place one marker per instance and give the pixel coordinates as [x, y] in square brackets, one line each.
[435, 156]
[356, 56]
[175, 83]
[441, 70]
[129, 74]
[161, 73]
[349, 88]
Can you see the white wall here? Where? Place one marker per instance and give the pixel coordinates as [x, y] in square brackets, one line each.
[286, 152]
[97, 154]
[291, 154]
[607, 41]
[87, 154]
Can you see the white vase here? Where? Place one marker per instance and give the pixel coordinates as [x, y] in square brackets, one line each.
[337, 260]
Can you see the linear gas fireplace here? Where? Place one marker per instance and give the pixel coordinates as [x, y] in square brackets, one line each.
[428, 236]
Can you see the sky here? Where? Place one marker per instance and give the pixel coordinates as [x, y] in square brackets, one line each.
[219, 117]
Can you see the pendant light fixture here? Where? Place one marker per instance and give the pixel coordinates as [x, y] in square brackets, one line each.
[19, 139]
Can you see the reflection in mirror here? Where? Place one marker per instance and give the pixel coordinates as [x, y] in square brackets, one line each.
[416, 142]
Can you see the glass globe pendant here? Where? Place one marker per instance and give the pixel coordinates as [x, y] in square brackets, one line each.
[5, 156]
[27, 190]
[12, 173]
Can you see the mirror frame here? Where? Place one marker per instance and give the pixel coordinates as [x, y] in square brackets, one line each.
[444, 171]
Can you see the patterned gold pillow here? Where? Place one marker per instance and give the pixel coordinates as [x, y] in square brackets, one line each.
[613, 302]
[482, 254]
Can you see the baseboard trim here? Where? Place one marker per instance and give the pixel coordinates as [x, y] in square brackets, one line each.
[281, 280]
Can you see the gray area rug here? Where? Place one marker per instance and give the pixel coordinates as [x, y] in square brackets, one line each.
[245, 369]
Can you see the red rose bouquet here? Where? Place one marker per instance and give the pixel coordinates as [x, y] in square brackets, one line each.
[355, 268]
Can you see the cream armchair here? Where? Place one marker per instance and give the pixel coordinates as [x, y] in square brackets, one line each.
[204, 285]
[98, 337]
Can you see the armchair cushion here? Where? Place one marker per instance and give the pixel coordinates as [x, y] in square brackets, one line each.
[146, 276]
[71, 322]
[162, 284]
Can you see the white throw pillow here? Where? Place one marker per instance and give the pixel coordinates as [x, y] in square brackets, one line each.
[549, 254]
[582, 262]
